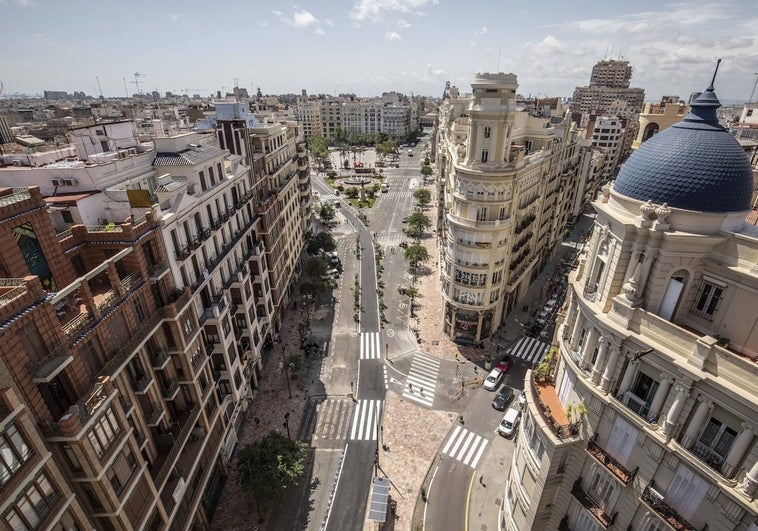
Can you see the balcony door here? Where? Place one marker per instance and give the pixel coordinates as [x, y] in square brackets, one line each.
[685, 492]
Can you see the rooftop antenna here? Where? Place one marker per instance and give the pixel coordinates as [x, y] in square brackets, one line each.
[99, 87]
[138, 75]
[713, 79]
[500, 49]
[126, 90]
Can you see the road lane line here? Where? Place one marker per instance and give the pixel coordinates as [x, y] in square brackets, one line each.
[468, 501]
[429, 493]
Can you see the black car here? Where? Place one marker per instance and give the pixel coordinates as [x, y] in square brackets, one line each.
[502, 398]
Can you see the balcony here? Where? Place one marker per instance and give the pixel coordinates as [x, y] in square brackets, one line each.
[654, 499]
[154, 417]
[182, 254]
[706, 455]
[51, 365]
[614, 467]
[589, 503]
[112, 365]
[141, 385]
[550, 408]
[156, 271]
[169, 392]
[159, 360]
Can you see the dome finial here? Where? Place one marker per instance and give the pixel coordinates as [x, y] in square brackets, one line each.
[713, 79]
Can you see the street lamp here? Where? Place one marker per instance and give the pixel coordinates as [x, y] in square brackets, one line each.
[286, 424]
[291, 366]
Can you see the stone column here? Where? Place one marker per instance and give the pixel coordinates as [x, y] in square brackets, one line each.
[696, 423]
[570, 313]
[610, 367]
[626, 381]
[660, 396]
[739, 447]
[668, 425]
[750, 482]
[589, 347]
[599, 360]
[577, 331]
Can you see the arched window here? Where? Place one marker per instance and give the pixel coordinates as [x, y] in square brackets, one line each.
[650, 130]
[673, 294]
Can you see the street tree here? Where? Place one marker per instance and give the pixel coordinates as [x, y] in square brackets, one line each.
[412, 293]
[267, 468]
[317, 147]
[323, 241]
[315, 267]
[352, 192]
[326, 212]
[419, 220]
[426, 170]
[423, 196]
[412, 231]
[416, 255]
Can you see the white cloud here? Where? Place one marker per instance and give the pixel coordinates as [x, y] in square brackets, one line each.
[328, 22]
[303, 19]
[393, 36]
[319, 31]
[263, 23]
[373, 10]
[479, 32]
[277, 13]
[175, 17]
[402, 24]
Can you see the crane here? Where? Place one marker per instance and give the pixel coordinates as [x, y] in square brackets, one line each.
[136, 81]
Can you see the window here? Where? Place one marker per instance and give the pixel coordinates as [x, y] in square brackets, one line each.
[105, 430]
[67, 217]
[708, 297]
[715, 442]
[621, 441]
[32, 505]
[602, 490]
[485, 155]
[14, 452]
[685, 492]
[487, 131]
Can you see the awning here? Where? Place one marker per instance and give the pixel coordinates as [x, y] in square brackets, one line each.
[380, 493]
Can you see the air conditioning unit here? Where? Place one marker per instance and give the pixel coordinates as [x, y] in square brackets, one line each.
[57, 182]
[70, 182]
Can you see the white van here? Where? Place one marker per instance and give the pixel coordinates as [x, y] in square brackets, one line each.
[410, 152]
[493, 379]
[509, 423]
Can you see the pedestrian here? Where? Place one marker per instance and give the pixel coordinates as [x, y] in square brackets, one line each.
[421, 391]
[481, 481]
[410, 387]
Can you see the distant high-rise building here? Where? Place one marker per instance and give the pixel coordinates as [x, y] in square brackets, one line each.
[609, 82]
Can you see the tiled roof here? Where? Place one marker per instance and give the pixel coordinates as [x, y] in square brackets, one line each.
[693, 165]
[188, 157]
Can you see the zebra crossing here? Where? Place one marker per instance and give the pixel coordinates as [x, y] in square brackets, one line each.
[465, 446]
[365, 425]
[391, 239]
[529, 349]
[327, 420]
[370, 346]
[422, 380]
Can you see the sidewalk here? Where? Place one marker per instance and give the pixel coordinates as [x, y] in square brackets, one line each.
[236, 510]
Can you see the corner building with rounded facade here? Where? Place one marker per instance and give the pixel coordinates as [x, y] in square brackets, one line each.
[507, 178]
[647, 418]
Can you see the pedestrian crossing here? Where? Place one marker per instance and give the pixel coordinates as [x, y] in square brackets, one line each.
[327, 419]
[370, 346]
[391, 239]
[365, 425]
[529, 349]
[465, 446]
[422, 380]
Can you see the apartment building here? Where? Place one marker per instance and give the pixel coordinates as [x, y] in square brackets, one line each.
[608, 133]
[108, 402]
[211, 229]
[609, 83]
[647, 417]
[308, 115]
[503, 201]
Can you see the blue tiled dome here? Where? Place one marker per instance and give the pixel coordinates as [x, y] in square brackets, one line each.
[693, 165]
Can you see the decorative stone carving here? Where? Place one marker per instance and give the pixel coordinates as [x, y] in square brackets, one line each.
[632, 286]
[648, 210]
[662, 213]
[606, 189]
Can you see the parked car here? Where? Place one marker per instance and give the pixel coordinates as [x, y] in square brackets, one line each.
[502, 398]
[505, 364]
[543, 317]
[509, 423]
[405, 219]
[493, 379]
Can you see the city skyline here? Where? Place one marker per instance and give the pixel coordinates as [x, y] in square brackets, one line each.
[368, 47]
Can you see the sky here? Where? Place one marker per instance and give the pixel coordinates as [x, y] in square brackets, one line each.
[367, 47]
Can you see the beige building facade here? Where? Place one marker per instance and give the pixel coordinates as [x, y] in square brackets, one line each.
[647, 416]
